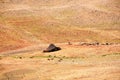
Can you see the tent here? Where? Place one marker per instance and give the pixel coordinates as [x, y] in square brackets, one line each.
[52, 48]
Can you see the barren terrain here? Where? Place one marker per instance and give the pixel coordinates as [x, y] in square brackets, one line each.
[27, 27]
[73, 62]
[35, 22]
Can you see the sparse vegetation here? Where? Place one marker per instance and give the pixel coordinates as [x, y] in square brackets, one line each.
[111, 54]
[18, 57]
[32, 57]
[75, 59]
[27, 26]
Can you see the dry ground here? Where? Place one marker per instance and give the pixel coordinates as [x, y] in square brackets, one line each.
[73, 62]
[27, 22]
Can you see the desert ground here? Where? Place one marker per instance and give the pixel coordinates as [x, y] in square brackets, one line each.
[73, 62]
[27, 27]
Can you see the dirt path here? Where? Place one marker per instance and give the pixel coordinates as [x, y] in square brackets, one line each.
[41, 47]
[73, 62]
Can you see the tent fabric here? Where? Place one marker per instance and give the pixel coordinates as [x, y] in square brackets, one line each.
[52, 48]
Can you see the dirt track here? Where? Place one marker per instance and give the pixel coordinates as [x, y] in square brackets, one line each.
[78, 63]
[41, 47]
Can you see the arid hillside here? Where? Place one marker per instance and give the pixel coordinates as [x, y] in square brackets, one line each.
[59, 39]
[11, 39]
[26, 22]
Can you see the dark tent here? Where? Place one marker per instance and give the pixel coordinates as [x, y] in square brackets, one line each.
[52, 48]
